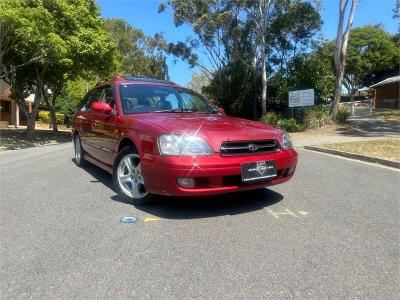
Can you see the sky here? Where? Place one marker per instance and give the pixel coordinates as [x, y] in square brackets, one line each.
[143, 14]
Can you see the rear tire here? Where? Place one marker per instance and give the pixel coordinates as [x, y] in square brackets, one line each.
[128, 179]
[79, 152]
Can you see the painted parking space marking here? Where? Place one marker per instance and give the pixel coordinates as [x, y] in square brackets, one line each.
[151, 219]
[285, 212]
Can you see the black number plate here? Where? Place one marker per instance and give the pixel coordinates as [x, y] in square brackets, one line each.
[258, 170]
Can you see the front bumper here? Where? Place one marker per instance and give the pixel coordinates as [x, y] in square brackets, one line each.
[213, 174]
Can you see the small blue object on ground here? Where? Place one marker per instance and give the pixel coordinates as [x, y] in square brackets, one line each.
[128, 219]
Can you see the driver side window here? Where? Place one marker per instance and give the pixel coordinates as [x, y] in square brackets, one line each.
[87, 101]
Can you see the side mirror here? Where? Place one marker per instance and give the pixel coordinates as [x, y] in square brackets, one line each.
[221, 110]
[101, 107]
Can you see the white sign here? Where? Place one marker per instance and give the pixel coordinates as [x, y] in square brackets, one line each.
[301, 98]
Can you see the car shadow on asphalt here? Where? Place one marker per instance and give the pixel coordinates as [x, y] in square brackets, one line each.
[211, 206]
[195, 207]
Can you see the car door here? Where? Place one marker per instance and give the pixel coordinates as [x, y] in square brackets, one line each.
[103, 134]
[83, 120]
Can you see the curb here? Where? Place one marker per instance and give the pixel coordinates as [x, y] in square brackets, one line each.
[385, 162]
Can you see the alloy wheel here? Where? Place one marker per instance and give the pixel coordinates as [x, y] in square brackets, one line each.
[129, 176]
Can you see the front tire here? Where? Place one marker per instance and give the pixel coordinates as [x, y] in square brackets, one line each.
[79, 161]
[128, 179]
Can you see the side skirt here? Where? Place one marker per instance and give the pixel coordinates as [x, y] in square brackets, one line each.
[98, 163]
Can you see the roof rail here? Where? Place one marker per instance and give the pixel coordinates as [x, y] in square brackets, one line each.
[145, 78]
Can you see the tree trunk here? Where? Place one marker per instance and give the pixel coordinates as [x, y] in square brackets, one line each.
[263, 9]
[255, 87]
[30, 125]
[264, 87]
[341, 51]
[338, 92]
[53, 118]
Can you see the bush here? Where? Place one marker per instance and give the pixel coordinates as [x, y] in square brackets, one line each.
[288, 124]
[44, 117]
[316, 117]
[270, 118]
[342, 114]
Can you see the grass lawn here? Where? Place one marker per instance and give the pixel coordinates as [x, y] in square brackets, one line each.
[387, 149]
[327, 130]
[13, 139]
[387, 114]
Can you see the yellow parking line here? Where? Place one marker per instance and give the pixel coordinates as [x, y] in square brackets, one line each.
[150, 219]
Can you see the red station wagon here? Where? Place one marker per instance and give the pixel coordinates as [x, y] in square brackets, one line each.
[156, 137]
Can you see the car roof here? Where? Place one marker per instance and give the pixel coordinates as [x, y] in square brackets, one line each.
[136, 80]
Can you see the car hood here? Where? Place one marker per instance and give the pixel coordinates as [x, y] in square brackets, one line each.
[215, 128]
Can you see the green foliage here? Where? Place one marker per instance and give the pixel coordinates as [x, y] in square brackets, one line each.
[53, 42]
[44, 117]
[288, 124]
[225, 31]
[342, 114]
[317, 117]
[233, 89]
[304, 72]
[140, 55]
[71, 96]
[370, 50]
[292, 28]
[270, 118]
[273, 118]
[372, 55]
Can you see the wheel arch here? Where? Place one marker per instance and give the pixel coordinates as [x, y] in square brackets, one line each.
[125, 142]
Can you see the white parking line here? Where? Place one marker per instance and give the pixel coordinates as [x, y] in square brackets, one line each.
[351, 159]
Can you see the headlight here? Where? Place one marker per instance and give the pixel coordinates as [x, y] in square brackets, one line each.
[286, 140]
[183, 145]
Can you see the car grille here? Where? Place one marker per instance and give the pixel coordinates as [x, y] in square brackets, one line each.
[230, 148]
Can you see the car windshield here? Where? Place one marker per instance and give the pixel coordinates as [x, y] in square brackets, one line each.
[136, 98]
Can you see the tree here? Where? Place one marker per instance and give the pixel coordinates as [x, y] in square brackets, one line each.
[198, 82]
[372, 56]
[65, 39]
[396, 11]
[306, 71]
[87, 47]
[342, 38]
[25, 41]
[141, 55]
[246, 36]
[371, 50]
[259, 17]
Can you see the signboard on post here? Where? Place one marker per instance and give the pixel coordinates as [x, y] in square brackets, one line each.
[301, 98]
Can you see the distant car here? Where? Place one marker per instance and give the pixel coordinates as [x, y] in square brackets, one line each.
[156, 137]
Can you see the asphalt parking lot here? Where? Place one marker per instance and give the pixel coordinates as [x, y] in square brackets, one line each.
[331, 232]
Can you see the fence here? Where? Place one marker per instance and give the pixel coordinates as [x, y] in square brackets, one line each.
[358, 109]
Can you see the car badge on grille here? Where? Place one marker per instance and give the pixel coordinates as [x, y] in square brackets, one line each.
[261, 167]
[253, 147]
